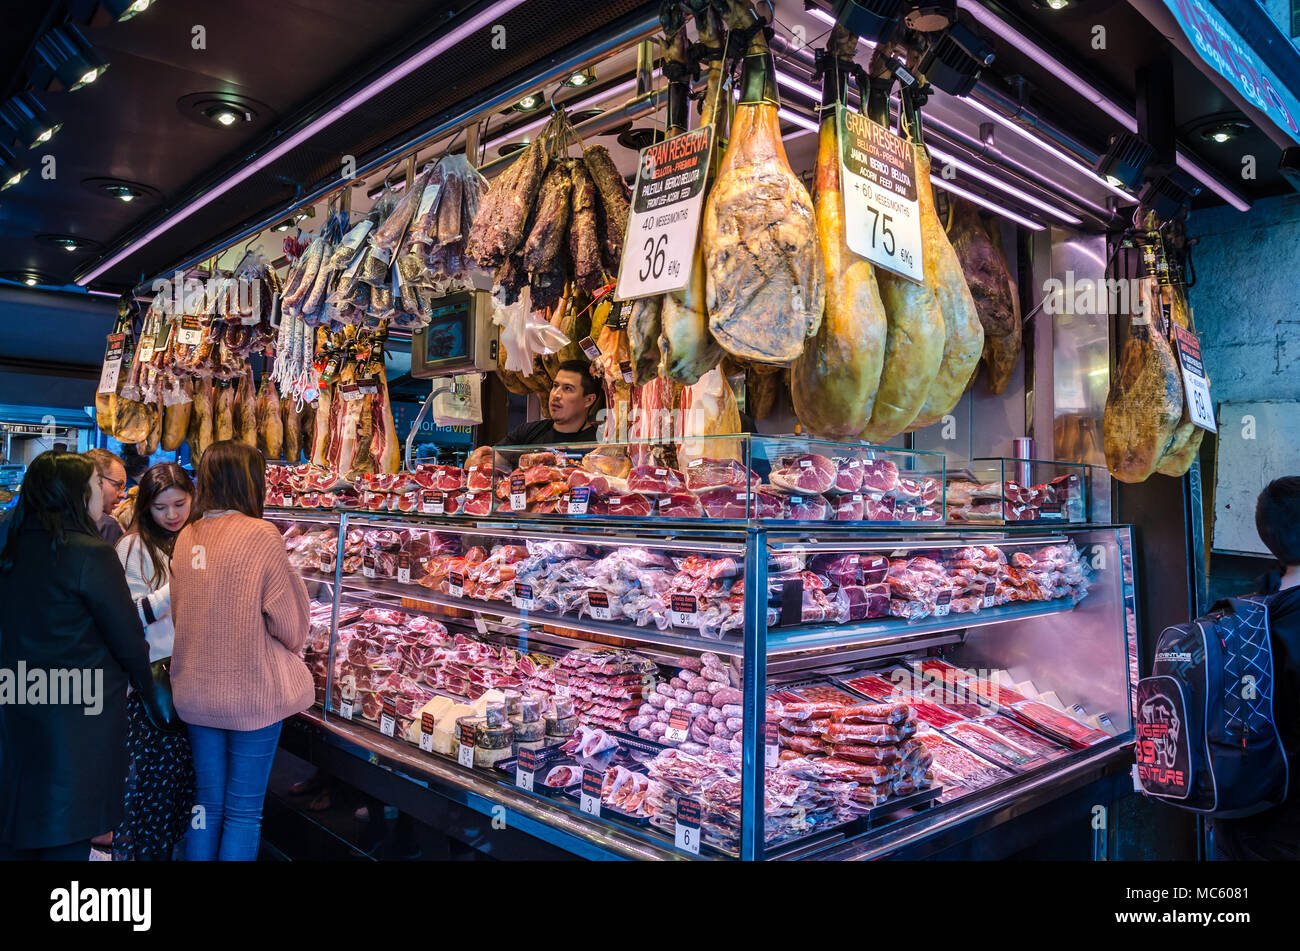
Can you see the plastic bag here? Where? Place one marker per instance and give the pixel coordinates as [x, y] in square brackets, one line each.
[526, 334]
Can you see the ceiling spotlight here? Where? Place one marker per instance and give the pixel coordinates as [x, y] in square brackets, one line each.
[11, 170]
[1124, 160]
[1169, 196]
[584, 77]
[929, 16]
[30, 281]
[66, 61]
[27, 124]
[954, 61]
[530, 103]
[122, 192]
[1221, 132]
[226, 115]
[873, 20]
[283, 226]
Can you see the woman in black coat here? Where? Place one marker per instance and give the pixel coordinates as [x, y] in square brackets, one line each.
[64, 606]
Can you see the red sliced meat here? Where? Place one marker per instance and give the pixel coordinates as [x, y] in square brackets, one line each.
[537, 475]
[878, 510]
[866, 601]
[717, 473]
[477, 503]
[879, 475]
[655, 480]
[809, 508]
[725, 502]
[808, 473]
[769, 503]
[848, 475]
[679, 505]
[848, 508]
[624, 506]
[841, 568]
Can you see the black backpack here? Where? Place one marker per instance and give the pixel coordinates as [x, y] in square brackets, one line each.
[1206, 739]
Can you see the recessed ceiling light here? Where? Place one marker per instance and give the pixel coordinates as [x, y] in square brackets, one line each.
[583, 77]
[69, 242]
[66, 60]
[225, 115]
[530, 103]
[223, 110]
[30, 281]
[119, 189]
[1225, 131]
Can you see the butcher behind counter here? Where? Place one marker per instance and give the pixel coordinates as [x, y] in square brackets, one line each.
[573, 397]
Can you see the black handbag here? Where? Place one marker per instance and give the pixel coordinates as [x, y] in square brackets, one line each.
[156, 696]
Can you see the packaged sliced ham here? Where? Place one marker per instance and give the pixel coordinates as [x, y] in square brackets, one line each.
[726, 502]
[808, 508]
[1057, 725]
[848, 476]
[848, 508]
[1022, 736]
[655, 480]
[716, 473]
[994, 747]
[806, 474]
[879, 476]
[679, 505]
[974, 771]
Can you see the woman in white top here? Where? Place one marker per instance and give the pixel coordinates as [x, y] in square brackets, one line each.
[160, 785]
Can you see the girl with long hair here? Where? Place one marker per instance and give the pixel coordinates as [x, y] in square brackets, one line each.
[241, 616]
[65, 611]
[160, 785]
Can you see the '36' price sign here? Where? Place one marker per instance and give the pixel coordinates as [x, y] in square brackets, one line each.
[663, 227]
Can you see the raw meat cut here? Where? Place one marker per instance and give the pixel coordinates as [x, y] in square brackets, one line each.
[1188, 437]
[655, 480]
[879, 475]
[833, 382]
[705, 473]
[808, 473]
[989, 279]
[679, 505]
[1057, 725]
[848, 476]
[763, 265]
[725, 502]
[808, 508]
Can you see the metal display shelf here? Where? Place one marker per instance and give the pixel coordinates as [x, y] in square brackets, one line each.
[1084, 659]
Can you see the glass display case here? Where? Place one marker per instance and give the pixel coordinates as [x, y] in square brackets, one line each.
[613, 682]
[774, 479]
[999, 491]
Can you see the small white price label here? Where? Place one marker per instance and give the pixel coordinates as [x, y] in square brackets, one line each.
[588, 346]
[523, 597]
[327, 562]
[943, 605]
[112, 364]
[882, 216]
[1196, 388]
[403, 569]
[387, 723]
[345, 709]
[456, 584]
[685, 611]
[432, 503]
[191, 333]
[465, 754]
[144, 352]
[990, 593]
[589, 796]
[350, 392]
[518, 494]
[687, 837]
[426, 732]
[679, 723]
[598, 602]
[368, 567]
[664, 225]
[524, 779]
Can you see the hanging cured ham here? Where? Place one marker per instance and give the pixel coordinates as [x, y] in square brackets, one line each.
[1187, 438]
[270, 424]
[1145, 403]
[963, 336]
[996, 299]
[765, 280]
[833, 382]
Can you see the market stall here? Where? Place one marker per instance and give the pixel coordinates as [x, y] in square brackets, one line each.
[844, 573]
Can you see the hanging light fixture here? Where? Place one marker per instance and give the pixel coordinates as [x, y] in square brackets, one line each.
[66, 61]
[954, 61]
[27, 123]
[11, 170]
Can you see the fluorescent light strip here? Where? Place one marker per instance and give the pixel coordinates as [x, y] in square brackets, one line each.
[1004, 186]
[1018, 129]
[538, 123]
[830, 21]
[439, 46]
[1021, 42]
[971, 196]
[798, 85]
[796, 119]
[103, 293]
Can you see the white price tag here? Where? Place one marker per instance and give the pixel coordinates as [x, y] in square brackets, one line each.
[523, 597]
[112, 364]
[687, 836]
[518, 494]
[403, 574]
[426, 740]
[465, 755]
[664, 225]
[771, 745]
[368, 567]
[387, 724]
[456, 584]
[191, 333]
[578, 500]
[144, 352]
[524, 780]
[589, 796]
[432, 503]
[882, 216]
[990, 593]
[679, 723]
[685, 611]
[598, 602]
[1196, 388]
[345, 709]
[561, 690]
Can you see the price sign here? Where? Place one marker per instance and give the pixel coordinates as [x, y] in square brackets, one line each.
[191, 333]
[664, 225]
[1051, 510]
[687, 837]
[1196, 388]
[771, 745]
[112, 364]
[588, 346]
[349, 392]
[625, 367]
[368, 566]
[523, 597]
[465, 754]
[432, 503]
[368, 387]
[403, 568]
[144, 352]
[882, 217]
[679, 722]
[598, 602]
[579, 499]
[456, 584]
[620, 315]
[685, 611]
[388, 717]
[944, 604]
[345, 708]
[327, 562]
[561, 683]
[990, 593]
[426, 732]
[589, 800]
[525, 767]
[518, 494]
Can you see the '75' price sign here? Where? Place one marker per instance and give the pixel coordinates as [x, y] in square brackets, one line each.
[664, 225]
[882, 217]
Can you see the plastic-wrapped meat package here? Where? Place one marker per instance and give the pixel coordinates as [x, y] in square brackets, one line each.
[655, 480]
[627, 506]
[933, 714]
[769, 503]
[808, 474]
[679, 505]
[878, 509]
[866, 601]
[994, 747]
[848, 508]
[478, 503]
[824, 607]
[973, 771]
[725, 502]
[1057, 725]
[808, 508]
[1022, 737]
[781, 562]
[825, 693]
[717, 473]
[872, 568]
[879, 476]
[848, 476]
[840, 567]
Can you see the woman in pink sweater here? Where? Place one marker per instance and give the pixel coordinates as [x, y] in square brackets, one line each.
[241, 618]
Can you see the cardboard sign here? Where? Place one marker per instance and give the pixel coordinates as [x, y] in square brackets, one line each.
[882, 216]
[456, 584]
[679, 724]
[426, 732]
[687, 837]
[388, 717]
[1196, 388]
[518, 493]
[112, 364]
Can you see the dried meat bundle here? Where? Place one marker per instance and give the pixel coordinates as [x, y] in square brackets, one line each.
[503, 215]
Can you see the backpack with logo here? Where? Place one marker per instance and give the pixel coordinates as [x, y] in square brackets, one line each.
[1206, 738]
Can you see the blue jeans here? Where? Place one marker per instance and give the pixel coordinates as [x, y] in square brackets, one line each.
[231, 770]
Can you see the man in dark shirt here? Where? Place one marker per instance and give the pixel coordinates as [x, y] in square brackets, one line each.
[572, 398]
[112, 479]
[1274, 835]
